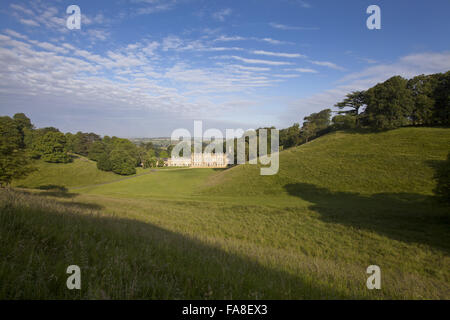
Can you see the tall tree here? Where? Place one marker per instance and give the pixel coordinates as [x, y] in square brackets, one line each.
[354, 100]
[442, 97]
[15, 163]
[121, 162]
[422, 89]
[290, 137]
[315, 123]
[389, 104]
[52, 147]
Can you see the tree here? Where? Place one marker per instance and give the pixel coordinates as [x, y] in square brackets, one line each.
[354, 100]
[344, 121]
[22, 121]
[52, 147]
[103, 162]
[309, 130]
[122, 162]
[161, 162]
[150, 162]
[290, 137]
[442, 97]
[96, 150]
[81, 142]
[422, 89]
[15, 163]
[315, 124]
[389, 104]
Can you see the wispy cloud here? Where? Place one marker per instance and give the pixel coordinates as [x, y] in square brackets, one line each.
[230, 38]
[279, 54]
[239, 38]
[222, 14]
[285, 27]
[154, 6]
[305, 70]
[258, 61]
[274, 41]
[327, 64]
[304, 4]
[44, 71]
[29, 22]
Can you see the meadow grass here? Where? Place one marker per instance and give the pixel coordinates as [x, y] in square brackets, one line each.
[339, 204]
[79, 172]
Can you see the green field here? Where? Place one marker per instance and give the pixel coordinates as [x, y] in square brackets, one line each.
[79, 172]
[338, 204]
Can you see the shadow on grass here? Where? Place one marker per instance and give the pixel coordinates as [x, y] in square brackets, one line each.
[62, 194]
[56, 191]
[405, 217]
[129, 259]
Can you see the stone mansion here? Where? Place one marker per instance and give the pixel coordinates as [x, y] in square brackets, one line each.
[200, 160]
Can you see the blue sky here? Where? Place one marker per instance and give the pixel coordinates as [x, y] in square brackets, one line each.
[147, 67]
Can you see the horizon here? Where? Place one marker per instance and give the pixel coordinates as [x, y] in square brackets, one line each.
[143, 68]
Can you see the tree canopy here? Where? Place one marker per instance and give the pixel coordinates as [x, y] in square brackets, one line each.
[15, 162]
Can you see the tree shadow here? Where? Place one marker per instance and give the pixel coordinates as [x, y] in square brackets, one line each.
[156, 263]
[64, 195]
[442, 177]
[56, 191]
[406, 217]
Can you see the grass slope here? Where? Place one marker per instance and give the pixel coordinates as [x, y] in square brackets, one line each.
[400, 160]
[339, 204]
[80, 172]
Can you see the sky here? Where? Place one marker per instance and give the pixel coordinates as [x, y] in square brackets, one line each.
[143, 68]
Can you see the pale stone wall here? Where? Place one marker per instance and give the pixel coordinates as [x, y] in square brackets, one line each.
[199, 160]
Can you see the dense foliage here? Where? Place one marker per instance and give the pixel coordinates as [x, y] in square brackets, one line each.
[14, 159]
[421, 101]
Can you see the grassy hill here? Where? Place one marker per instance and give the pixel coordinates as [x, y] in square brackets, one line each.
[339, 204]
[80, 172]
[397, 161]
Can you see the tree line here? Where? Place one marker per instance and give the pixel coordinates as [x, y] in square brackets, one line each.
[421, 101]
[21, 142]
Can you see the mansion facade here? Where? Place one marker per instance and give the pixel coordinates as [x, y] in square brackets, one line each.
[200, 160]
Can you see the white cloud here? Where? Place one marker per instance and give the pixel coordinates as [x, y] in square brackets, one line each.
[279, 54]
[29, 22]
[328, 65]
[305, 70]
[222, 14]
[258, 61]
[274, 41]
[171, 42]
[132, 77]
[154, 6]
[232, 38]
[286, 27]
[287, 76]
[304, 4]
[18, 7]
